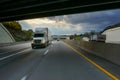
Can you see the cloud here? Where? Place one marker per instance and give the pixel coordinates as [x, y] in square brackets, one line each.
[76, 23]
[25, 26]
[91, 17]
[39, 21]
[100, 19]
[56, 27]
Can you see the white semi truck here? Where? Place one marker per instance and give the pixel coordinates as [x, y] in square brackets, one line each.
[41, 37]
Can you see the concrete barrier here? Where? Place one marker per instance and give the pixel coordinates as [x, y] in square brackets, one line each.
[5, 36]
[107, 51]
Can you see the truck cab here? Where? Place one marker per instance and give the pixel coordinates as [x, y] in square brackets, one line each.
[40, 38]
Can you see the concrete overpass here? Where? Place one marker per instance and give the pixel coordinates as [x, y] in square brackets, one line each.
[26, 9]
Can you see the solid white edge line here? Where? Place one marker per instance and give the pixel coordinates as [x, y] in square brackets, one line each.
[11, 55]
[46, 52]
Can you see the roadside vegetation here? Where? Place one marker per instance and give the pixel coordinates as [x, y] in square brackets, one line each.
[16, 30]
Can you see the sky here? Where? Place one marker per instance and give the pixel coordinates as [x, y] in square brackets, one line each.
[75, 23]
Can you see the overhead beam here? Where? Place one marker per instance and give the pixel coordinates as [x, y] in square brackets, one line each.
[58, 7]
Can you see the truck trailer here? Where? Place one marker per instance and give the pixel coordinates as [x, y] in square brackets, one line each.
[41, 37]
[97, 38]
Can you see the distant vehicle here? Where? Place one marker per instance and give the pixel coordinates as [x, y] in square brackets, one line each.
[41, 37]
[85, 38]
[58, 39]
[97, 38]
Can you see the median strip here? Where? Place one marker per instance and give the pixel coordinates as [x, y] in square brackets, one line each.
[92, 62]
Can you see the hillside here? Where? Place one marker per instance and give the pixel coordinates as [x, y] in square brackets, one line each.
[16, 30]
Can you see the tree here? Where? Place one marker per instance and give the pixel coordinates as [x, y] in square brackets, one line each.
[16, 30]
[86, 34]
[92, 33]
[12, 25]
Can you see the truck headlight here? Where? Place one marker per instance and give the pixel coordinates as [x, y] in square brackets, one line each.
[43, 41]
[33, 41]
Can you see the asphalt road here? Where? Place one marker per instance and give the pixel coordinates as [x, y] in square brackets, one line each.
[58, 61]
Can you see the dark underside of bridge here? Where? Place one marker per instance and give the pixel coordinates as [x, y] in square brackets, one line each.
[12, 10]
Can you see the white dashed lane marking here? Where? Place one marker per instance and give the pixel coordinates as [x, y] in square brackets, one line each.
[24, 78]
[46, 52]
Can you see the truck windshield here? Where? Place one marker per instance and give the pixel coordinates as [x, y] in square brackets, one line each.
[38, 35]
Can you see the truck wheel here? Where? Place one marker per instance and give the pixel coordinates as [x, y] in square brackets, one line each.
[45, 45]
[33, 47]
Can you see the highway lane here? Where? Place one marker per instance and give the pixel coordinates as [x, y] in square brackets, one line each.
[56, 62]
[18, 66]
[8, 50]
[108, 65]
[14, 47]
